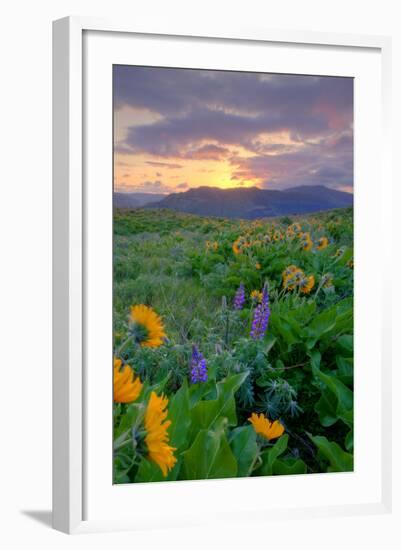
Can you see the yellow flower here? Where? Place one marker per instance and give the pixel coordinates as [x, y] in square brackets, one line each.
[296, 227]
[146, 326]
[215, 245]
[236, 248]
[322, 243]
[157, 439]
[306, 284]
[292, 275]
[126, 387]
[256, 295]
[350, 264]
[264, 427]
[306, 241]
[258, 266]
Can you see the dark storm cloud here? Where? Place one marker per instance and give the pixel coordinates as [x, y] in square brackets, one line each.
[174, 91]
[170, 136]
[171, 165]
[323, 164]
[201, 113]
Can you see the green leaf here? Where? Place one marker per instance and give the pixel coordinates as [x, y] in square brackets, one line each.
[128, 419]
[344, 396]
[198, 391]
[289, 466]
[326, 408]
[270, 455]
[210, 457]
[269, 342]
[178, 413]
[245, 449]
[345, 344]
[349, 441]
[206, 413]
[340, 461]
[345, 371]
[148, 471]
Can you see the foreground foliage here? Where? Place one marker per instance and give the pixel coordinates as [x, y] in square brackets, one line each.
[233, 346]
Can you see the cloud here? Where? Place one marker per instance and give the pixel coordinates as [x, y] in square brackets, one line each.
[163, 164]
[155, 186]
[170, 92]
[182, 185]
[295, 129]
[176, 136]
[329, 164]
[207, 152]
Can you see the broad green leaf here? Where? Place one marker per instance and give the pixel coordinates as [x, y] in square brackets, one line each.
[244, 446]
[206, 413]
[345, 371]
[349, 441]
[210, 457]
[326, 408]
[270, 455]
[344, 395]
[148, 471]
[198, 391]
[289, 466]
[269, 341]
[128, 419]
[340, 461]
[345, 344]
[178, 413]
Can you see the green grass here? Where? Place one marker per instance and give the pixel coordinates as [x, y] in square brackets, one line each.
[184, 267]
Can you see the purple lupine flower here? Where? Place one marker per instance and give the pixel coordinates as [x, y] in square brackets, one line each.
[198, 366]
[261, 317]
[239, 298]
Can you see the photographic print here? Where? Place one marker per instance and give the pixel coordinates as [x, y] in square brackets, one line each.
[232, 274]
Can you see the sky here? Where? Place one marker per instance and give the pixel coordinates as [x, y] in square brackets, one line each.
[175, 129]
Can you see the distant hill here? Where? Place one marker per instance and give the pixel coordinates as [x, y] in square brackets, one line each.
[252, 202]
[135, 200]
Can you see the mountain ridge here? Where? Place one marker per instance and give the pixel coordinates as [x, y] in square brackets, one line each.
[253, 202]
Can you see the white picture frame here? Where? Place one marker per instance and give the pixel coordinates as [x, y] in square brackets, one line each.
[70, 286]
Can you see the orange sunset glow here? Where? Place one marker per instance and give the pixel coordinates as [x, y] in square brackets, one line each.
[175, 129]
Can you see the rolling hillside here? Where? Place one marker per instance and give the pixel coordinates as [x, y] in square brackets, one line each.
[251, 203]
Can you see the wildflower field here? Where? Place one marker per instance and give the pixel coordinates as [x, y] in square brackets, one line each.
[233, 345]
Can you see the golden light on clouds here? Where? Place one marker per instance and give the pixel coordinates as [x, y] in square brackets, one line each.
[175, 129]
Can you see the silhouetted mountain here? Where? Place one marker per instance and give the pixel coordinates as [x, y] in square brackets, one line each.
[134, 200]
[252, 202]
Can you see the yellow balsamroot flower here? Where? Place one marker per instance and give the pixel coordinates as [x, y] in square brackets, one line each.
[278, 236]
[292, 275]
[157, 438]
[258, 266]
[322, 243]
[306, 284]
[306, 241]
[265, 427]
[256, 295]
[236, 247]
[146, 326]
[296, 227]
[126, 387]
[350, 264]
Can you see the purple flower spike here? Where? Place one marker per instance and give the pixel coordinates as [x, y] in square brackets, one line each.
[198, 366]
[261, 317]
[239, 298]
